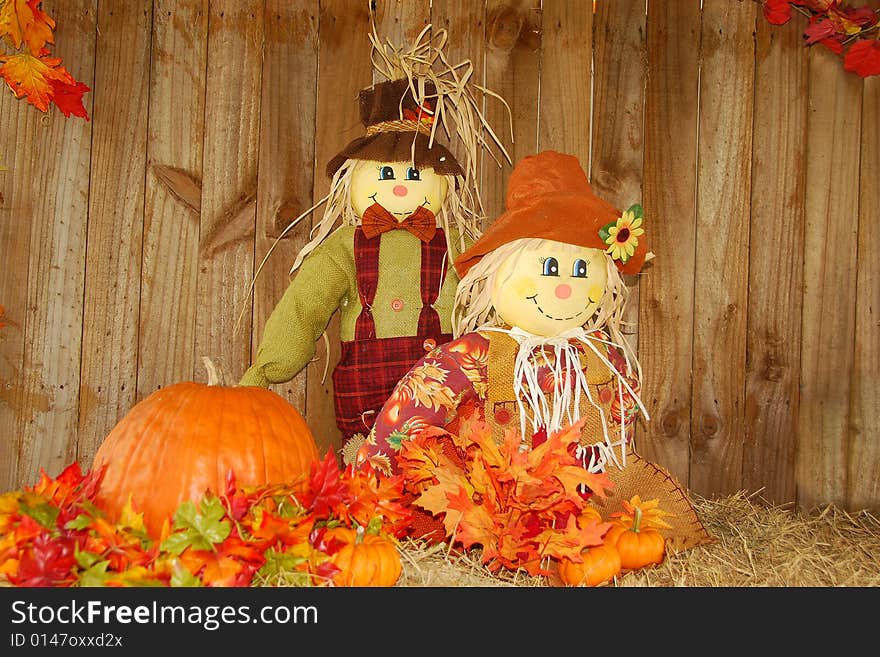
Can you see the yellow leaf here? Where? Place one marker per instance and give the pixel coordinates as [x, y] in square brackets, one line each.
[23, 22]
[129, 518]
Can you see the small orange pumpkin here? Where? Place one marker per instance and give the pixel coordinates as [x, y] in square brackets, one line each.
[600, 564]
[365, 559]
[183, 440]
[638, 546]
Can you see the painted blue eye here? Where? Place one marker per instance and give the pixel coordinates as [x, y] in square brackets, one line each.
[579, 268]
[413, 174]
[551, 267]
[386, 173]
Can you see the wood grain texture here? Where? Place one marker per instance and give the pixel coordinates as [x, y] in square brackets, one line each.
[618, 138]
[44, 188]
[667, 287]
[231, 146]
[465, 23]
[722, 254]
[287, 154]
[863, 450]
[566, 69]
[116, 221]
[776, 257]
[512, 63]
[171, 220]
[343, 70]
[830, 277]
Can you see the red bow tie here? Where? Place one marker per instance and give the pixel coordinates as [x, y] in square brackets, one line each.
[376, 220]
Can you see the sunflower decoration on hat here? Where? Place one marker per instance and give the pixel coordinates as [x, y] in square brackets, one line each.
[400, 208]
[539, 343]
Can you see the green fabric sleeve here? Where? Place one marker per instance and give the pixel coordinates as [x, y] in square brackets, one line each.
[300, 317]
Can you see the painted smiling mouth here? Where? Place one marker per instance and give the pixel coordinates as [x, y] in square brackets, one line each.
[534, 298]
[406, 214]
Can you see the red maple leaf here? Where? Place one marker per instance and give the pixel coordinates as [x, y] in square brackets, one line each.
[68, 97]
[47, 562]
[326, 493]
[777, 12]
[863, 58]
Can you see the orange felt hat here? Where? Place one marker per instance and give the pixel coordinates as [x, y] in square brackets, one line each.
[549, 197]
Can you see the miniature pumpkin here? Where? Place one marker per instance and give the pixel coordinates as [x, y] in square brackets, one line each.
[184, 439]
[365, 559]
[600, 564]
[638, 546]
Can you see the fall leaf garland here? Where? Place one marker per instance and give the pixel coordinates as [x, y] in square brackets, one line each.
[52, 534]
[851, 32]
[29, 70]
[524, 508]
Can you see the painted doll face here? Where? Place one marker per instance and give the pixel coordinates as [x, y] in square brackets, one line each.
[549, 287]
[398, 187]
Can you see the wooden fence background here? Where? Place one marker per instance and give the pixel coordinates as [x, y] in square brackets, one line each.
[756, 158]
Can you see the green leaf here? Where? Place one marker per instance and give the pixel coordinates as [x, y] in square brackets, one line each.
[85, 559]
[201, 531]
[636, 209]
[82, 521]
[375, 525]
[96, 575]
[176, 543]
[281, 565]
[44, 513]
[603, 232]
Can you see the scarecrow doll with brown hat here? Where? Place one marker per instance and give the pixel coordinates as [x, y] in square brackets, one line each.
[539, 343]
[403, 207]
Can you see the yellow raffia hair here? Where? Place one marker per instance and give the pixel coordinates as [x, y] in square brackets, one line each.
[473, 306]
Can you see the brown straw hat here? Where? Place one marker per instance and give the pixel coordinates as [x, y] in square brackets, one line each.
[394, 119]
[549, 197]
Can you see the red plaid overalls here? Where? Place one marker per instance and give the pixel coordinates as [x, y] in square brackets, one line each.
[370, 367]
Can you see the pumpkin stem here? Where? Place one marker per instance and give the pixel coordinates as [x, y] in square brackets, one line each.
[637, 519]
[215, 376]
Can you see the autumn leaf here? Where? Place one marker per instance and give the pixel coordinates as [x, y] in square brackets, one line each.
[68, 97]
[863, 58]
[33, 77]
[197, 530]
[47, 562]
[475, 524]
[22, 21]
[326, 492]
[777, 12]
[650, 511]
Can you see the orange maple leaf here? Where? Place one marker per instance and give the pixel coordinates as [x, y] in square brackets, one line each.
[22, 21]
[33, 77]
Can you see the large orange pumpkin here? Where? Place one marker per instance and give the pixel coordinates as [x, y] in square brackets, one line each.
[183, 440]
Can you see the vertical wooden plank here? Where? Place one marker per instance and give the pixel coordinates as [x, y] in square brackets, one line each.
[43, 218]
[667, 292]
[863, 484]
[343, 70]
[287, 152]
[116, 221]
[464, 22]
[20, 137]
[618, 139]
[566, 78]
[229, 185]
[400, 22]
[513, 58]
[775, 264]
[722, 254]
[171, 227]
[830, 244]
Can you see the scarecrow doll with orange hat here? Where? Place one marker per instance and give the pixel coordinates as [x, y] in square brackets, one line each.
[406, 207]
[539, 345]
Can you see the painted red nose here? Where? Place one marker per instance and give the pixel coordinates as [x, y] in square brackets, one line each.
[563, 291]
[400, 190]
